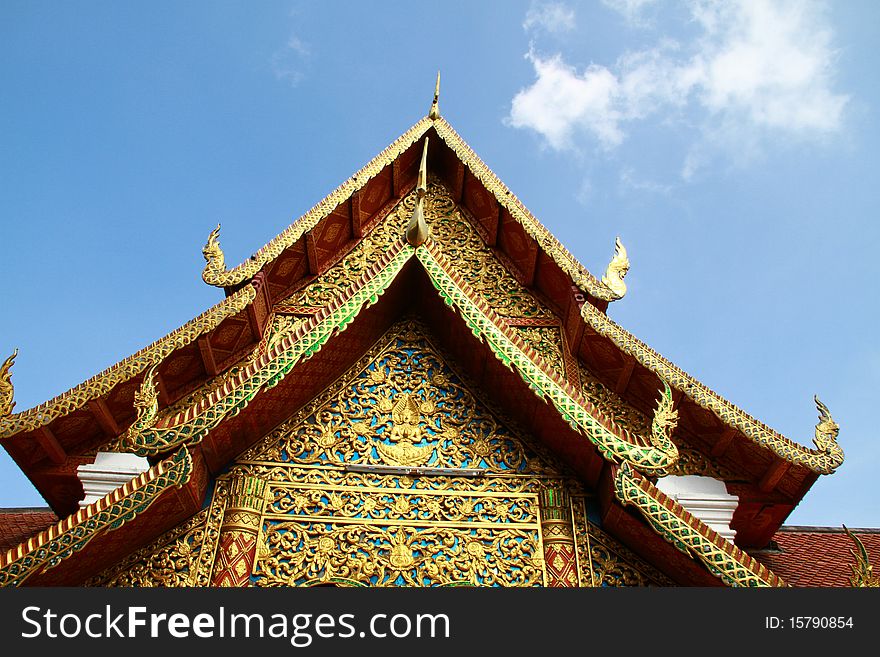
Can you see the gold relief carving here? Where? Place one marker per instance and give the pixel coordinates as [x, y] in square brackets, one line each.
[405, 432]
[613, 407]
[170, 560]
[398, 405]
[305, 553]
[322, 523]
[692, 462]
[604, 561]
[547, 343]
[475, 262]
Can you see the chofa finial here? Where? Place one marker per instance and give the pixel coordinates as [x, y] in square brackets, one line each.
[6, 390]
[417, 230]
[617, 269]
[215, 261]
[434, 114]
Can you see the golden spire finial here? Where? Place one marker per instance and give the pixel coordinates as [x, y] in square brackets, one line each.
[863, 572]
[215, 261]
[6, 389]
[417, 231]
[434, 114]
[617, 269]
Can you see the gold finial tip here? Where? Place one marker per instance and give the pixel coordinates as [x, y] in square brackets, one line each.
[435, 106]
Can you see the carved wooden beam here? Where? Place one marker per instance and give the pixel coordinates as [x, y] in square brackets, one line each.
[574, 325]
[105, 418]
[357, 226]
[723, 442]
[312, 253]
[208, 358]
[458, 182]
[162, 389]
[773, 475]
[395, 178]
[53, 449]
[629, 364]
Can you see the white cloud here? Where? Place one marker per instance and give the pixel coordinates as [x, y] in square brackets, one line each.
[552, 17]
[632, 10]
[772, 63]
[757, 68]
[561, 101]
[289, 62]
[630, 180]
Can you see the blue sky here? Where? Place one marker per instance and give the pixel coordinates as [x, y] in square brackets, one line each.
[733, 147]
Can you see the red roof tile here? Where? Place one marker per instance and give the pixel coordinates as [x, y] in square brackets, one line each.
[817, 556]
[17, 525]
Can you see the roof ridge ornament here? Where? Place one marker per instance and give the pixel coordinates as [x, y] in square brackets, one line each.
[863, 572]
[7, 392]
[215, 260]
[434, 114]
[827, 429]
[417, 231]
[616, 270]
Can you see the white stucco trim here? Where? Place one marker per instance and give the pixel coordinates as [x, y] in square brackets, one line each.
[109, 471]
[704, 497]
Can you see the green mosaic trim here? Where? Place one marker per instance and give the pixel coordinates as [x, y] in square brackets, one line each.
[646, 458]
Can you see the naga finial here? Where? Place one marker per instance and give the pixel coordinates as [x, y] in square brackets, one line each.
[146, 398]
[616, 270]
[664, 422]
[215, 261]
[417, 230]
[7, 392]
[826, 429]
[434, 114]
[863, 572]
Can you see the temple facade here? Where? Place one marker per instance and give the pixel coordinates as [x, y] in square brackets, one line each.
[415, 384]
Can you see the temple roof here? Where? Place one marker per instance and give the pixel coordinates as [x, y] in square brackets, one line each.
[141, 404]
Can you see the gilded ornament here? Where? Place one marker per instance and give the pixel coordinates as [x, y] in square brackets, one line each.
[417, 231]
[7, 392]
[863, 572]
[616, 270]
[215, 261]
